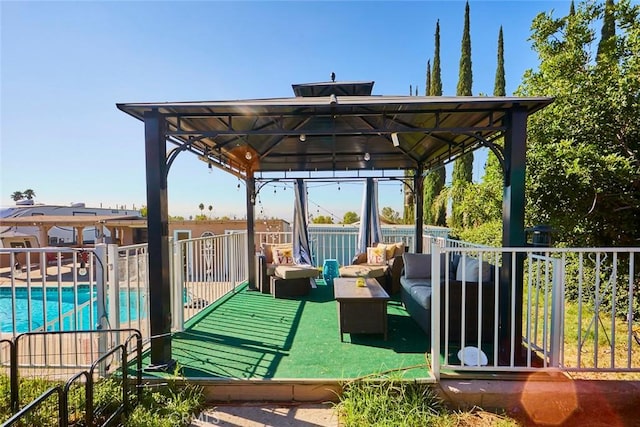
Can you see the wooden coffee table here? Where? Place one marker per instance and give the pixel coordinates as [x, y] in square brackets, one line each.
[361, 310]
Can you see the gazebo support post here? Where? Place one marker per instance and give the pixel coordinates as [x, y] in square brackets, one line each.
[418, 196]
[513, 234]
[158, 238]
[251, 237]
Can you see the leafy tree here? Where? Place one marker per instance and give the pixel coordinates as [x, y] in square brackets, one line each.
[350, 217]
[28, 194]
[322, 219]
[176, 217]
[17, 195]
[201, 217]
[608, 28]
[463, 165]
[390, 215]
[144, 211]
[583, 160]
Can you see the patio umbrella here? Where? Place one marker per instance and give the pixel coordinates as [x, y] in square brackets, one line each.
[301, 248]
[369, 231]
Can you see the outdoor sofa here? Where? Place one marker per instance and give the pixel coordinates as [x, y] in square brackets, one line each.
[382, 262]
[416, 291]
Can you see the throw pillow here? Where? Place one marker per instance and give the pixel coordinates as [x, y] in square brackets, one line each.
[417, 266]
[470, 269]
[394, 249]
[377, 255]
[283, 256]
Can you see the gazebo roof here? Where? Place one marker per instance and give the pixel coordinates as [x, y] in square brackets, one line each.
[332, 132]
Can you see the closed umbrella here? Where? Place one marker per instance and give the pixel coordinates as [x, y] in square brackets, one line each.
[301, 248]
[369, 231]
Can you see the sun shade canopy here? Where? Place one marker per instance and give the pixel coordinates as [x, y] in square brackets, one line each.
[326, 131]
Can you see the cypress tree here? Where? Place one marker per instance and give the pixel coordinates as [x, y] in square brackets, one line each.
[434, 181]
[435, 89]
[608, 28]
[463, 165]
[572, 9]
[428, 85]
[465, 78]
[499, 87]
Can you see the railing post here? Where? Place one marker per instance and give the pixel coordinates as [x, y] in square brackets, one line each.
[557, 309]
[113, 280]
[435, 311]
[101, 297]
[177, 274]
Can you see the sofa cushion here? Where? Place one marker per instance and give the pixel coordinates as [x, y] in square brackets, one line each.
[394, 249]
[364, 270]
[422, 295]
[283, 255]
[469, 270]
[409, 283]
[296, 271]
[417, 265]
[377, 255]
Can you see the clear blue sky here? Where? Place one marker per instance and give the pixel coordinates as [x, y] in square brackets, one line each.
[64, 66]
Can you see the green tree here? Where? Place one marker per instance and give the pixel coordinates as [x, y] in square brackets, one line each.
[322, 219]
[350, 217]
[608, 33]
[409, 213]
[390, 215]
[435, 89]
[29, 194]
[428, 80]
[201, 217]
[17, 196]
[201, 207]
[144, 211]
[499, 86]
[210, 210]
[435, 213]
[583, 161]
[463, 165]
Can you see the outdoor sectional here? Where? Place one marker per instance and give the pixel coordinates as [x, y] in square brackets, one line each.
[416, 290]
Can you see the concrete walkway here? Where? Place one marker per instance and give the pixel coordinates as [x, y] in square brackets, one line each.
[268, 415]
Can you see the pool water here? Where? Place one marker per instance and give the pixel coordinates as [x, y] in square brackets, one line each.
[132, 307]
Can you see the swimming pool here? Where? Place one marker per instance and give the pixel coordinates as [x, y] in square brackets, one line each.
[132, 307]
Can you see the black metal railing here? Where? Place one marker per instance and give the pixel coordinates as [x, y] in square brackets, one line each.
[92, 413]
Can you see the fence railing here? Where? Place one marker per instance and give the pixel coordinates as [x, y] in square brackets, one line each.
[576, 310]
[340, 242]
[25, 350]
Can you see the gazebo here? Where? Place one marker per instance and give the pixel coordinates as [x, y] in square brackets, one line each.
[327, 129]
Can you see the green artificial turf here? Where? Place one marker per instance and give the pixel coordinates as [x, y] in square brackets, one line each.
[256, 336]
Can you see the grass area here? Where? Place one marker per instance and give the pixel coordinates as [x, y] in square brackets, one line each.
[613, 349]
[167, 405]
[392, 402]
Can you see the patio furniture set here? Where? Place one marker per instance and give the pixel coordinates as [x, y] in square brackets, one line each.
[387, 270]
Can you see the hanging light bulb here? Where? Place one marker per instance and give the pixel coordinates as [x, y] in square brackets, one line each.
[82, 270]
[248, 155]
[367, 157]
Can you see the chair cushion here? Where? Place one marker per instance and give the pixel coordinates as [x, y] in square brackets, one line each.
[417, 265]
[296, 271]
[364, 270]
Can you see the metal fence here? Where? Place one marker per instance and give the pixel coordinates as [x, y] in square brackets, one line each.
[579, 309]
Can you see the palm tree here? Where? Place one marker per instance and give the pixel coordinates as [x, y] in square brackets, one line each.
[29, 194]
[17, 195]
[201, 207]
[210, 210]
